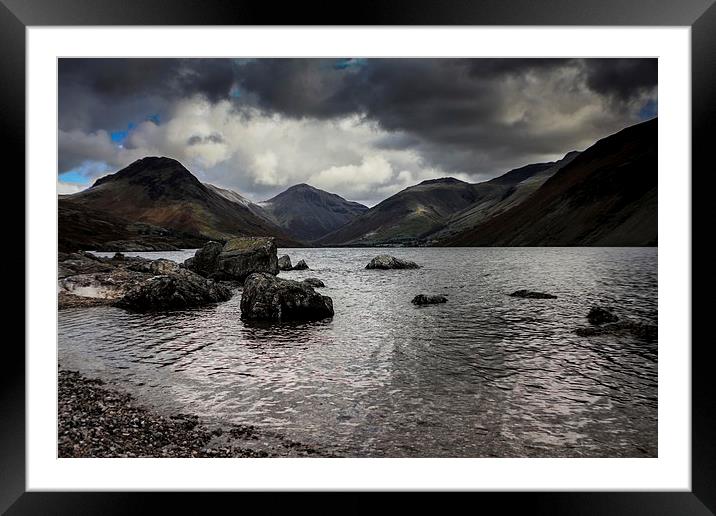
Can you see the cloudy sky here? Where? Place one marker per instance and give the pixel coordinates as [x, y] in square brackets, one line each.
[361, 128]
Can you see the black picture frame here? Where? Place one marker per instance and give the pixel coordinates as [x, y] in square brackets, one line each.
[700, 15]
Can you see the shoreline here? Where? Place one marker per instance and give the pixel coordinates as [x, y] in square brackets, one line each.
[96, 419]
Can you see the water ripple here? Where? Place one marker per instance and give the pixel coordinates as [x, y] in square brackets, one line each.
[482, 375]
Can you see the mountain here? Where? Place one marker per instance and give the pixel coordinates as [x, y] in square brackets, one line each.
[308, 213]
[438, 208]
[500, 194]
[406, 216]
[160, 192]
[237, 198]
[606, 196]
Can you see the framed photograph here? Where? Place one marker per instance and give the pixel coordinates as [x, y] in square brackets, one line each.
[435, 247]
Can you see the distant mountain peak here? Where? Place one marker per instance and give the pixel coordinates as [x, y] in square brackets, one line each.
[309, 212]
[442, 180]
[146, 167]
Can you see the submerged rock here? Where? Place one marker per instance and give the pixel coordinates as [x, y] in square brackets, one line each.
[424, 299]
[301, 266]
[647, 332]
[599, 315]
[313, 282]
[529, 294]
[174, 291]
[266, 297]
[236, 259]
[284, 263]
[385, 261]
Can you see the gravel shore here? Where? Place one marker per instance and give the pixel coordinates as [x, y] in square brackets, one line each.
[96, 420]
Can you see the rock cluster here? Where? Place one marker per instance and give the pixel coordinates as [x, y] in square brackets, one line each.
[133, 283]
[384, 261]
[266, 297]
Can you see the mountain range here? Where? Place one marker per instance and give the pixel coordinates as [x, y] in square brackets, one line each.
[605, 195]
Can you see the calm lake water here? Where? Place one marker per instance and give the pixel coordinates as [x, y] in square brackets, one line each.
[484, 374]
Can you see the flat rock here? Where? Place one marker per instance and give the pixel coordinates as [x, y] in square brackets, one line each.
[266, 297]
[110, 285]
[529, 294]
[424, 299]
[385, 261]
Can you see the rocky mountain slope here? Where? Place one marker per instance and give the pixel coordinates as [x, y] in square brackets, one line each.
[307, 213]
[160, 192]
[606, 196]
[438, 208]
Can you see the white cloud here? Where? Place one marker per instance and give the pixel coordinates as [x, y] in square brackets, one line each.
[260, 155]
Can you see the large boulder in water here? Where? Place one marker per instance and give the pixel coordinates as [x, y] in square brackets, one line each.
[599, 315]
[175, 291]
[206, 259]
[284, 263]
[236, 259]
[241, 257]
[385, 261]
[266, 297]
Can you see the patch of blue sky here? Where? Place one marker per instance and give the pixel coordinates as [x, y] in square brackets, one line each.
[649, 110]
[85, 173]
[118, 137]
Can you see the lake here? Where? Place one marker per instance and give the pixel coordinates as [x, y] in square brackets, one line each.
[483, 375]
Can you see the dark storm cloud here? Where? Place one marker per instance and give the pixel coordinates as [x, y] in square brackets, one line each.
[622, 78]
[110, 93]
[470, 117]
[171, 78]
[452, 102]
